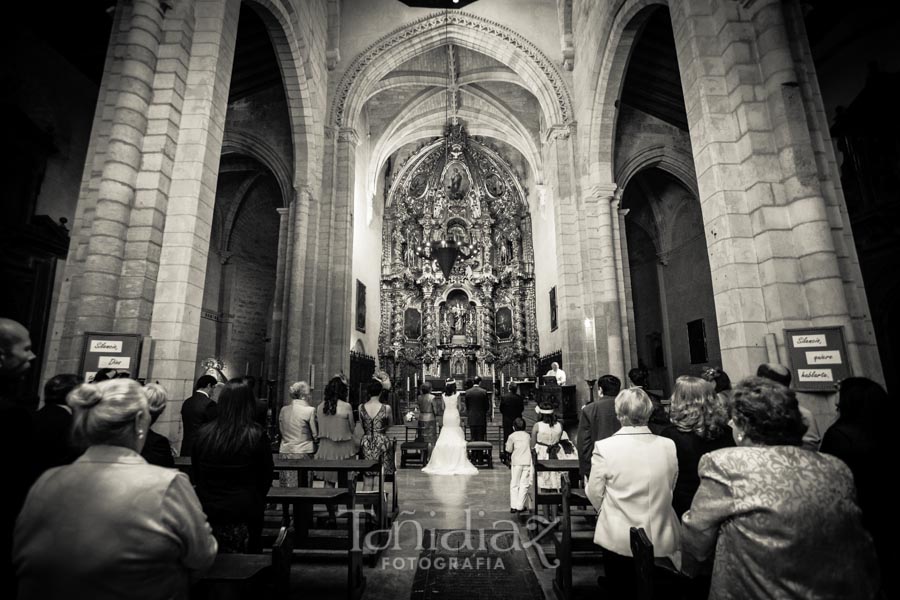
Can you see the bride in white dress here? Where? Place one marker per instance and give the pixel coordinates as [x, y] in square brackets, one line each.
[449, 456]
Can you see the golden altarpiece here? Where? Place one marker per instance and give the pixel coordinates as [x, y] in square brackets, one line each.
[457, 283]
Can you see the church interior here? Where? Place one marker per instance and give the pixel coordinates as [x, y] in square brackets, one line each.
[434, 191]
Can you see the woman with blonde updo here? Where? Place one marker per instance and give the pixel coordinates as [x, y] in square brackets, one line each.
[109, 525]
[157, 450]
[699, 419]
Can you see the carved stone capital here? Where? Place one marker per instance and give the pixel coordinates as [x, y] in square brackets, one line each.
[348, 134]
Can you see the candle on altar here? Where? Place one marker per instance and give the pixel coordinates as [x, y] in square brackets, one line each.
[416, 382]
[407, 384]
[502, 380]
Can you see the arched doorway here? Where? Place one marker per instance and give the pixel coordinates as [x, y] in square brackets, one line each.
[675, 326]
[239, 300]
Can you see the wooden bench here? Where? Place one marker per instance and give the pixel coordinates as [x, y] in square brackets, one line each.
[302, 499]
[656, 577]
[567, 540]
[481, 454]
[242, 570]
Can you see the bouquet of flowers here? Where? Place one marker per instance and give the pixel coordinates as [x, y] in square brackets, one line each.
[411, 416]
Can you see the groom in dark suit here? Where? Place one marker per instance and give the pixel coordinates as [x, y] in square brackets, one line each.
[476, 410]
[196, 411]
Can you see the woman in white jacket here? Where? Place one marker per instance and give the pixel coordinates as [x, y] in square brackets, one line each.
[633, 473]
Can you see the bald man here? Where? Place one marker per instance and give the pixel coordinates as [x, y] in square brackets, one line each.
[16, 437]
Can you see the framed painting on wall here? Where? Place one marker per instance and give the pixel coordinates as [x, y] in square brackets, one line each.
[360, 306]
[553, 321]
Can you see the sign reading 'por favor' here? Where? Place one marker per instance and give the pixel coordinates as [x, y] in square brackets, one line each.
[119, 351]
[818, 357]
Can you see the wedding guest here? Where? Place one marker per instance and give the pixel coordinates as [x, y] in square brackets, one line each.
[334, 418]
[782, 521]
[518, 446]
[427, 425]
[376, 420]
[233, 467]
[109, 525]
[861, 438]
[157, 450]
[659, 420]
[196, 411]
[512, 405]
[632, 476]
[547, 438]
[597, 421]
[52, 424]
[781, 374]
[299, 430]
[699, 425]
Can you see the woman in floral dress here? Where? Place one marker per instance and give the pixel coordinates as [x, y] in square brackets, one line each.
[376, 419]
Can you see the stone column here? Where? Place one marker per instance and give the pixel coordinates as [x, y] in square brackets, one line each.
[628, 307]
[576, 273]
[609, 283]
[277, 334]
[621, 262]
[96, 308]
[179, 290]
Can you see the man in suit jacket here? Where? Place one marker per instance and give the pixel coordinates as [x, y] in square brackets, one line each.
[512, 405]
[476, 410]
[598, 421]
[16, 435]
[53, 444]
[196, 411]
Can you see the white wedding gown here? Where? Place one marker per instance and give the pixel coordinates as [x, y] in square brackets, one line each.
[449, 456]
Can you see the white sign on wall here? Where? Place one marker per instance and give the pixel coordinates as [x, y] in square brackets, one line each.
[114, 362]
[824, 357]
[809, 341]
[107, 346]
[817, 375]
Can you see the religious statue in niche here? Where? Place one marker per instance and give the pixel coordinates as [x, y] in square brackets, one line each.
[439, 205]
[412, 324]
[445, 329]
[502, 247]
[457, 183]
[470, 329]
[458, 234]
[494, 185]
[412, 241]
[458, 313]
[398, 238]
[417, 185]
[504, 323]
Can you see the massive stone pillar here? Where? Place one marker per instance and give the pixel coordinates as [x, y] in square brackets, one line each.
[771, 238]
[282, 273]
[324, 314]
[577, 262]
[103, 258]
[179, 290]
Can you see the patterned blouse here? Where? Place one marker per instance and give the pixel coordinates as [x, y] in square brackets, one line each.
[783, 523]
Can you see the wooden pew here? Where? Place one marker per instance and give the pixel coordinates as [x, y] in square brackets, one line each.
[242, 570]
[301, 498]
[567, 542]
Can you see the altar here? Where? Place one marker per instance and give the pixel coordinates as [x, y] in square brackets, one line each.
[457, 285]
